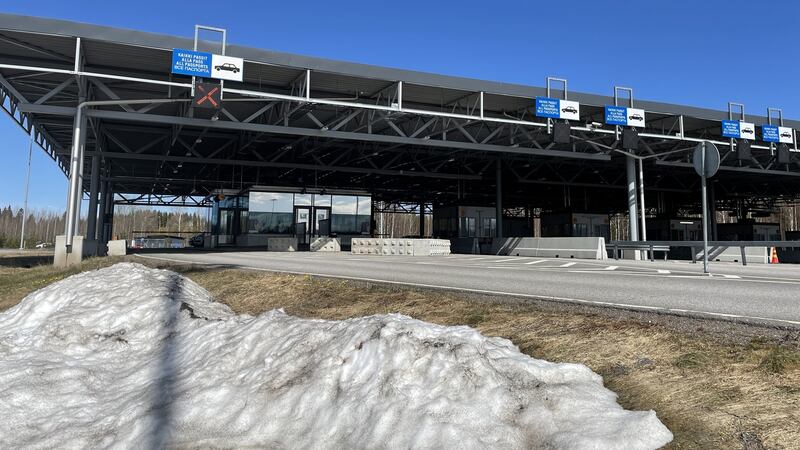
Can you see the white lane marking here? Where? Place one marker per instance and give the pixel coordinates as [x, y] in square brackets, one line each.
[569, 264]
[536, 262]
[506, 260]
[731, 276]
[492, 292]
[664, 272]
[475, 259]
[611, 268]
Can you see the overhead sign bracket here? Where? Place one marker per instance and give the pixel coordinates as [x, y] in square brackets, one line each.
[548, 82]
[224, 32]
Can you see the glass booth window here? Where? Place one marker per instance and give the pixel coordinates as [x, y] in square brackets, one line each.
[302, 199]
[271, 213]
[322, 200]
[350, 214]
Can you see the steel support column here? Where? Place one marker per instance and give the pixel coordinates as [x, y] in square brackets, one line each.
[101, 214]
[94, 190]
[630, 166]
[75, 181]
[498, 214]
[110, 225]
[422, 219]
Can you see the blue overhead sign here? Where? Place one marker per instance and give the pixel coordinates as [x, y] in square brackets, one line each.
[616, 115]
[620, 115]
[730, 128]
[192, 63]
[554, 108]
[548, 107]
[770, 133]
[777, 134]
[738, 129]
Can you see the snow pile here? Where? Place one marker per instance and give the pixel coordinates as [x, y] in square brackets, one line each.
[134, 357]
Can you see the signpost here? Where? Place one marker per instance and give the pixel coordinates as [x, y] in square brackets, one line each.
[620, 115]
[776, 134]
[554, 108]
[706, 163]
[738, 130]
[206, 65]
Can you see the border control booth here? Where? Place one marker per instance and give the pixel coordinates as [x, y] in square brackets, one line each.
[289, 219]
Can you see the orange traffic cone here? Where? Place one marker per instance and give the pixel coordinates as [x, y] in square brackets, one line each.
[774, 257]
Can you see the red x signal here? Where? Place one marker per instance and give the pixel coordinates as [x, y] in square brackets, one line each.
[207, 95]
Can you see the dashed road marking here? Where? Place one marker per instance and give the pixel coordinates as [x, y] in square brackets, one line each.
[664, 272]
[569, 264]
[611, 268]
[506, 260]
[536, 262]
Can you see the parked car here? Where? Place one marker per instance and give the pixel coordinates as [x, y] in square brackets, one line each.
[228, 66]
[197, 240]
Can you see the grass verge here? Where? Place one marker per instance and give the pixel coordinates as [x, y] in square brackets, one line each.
[710, 393]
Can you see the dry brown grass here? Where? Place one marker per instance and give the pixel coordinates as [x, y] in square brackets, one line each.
[710, 393]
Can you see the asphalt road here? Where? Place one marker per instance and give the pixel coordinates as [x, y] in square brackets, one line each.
[755, 294]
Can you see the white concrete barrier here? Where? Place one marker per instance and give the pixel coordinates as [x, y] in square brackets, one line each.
[754, 255]
[552, 247]
[325, 244]
[81, 248]
[117, 247]
[400, 247]
[282, 244]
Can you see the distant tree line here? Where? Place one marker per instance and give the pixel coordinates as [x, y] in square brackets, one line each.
[42, 226]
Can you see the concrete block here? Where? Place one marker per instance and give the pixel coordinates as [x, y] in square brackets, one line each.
[755, 255]
[118, 247]
[406, 247]
[79, 251]
[282, 244]
[326, 244]
[252, 240]
[555, 247]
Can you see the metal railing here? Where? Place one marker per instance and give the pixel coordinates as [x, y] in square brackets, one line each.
[715, 247]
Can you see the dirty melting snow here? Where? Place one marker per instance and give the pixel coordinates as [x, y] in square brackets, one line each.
[129, 356]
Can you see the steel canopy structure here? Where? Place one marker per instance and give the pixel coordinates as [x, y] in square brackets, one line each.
[296, 121]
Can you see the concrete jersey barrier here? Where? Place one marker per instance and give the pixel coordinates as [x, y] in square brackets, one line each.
[400, 247]
[552, 247]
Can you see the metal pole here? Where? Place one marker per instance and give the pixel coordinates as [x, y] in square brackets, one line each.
[94, 190]
[74, 181]
[643, 229]
[27, 185]
[630, 166]
[499, 210]
[422, 219]
[76, 159]
[705, 209]
[101, 213]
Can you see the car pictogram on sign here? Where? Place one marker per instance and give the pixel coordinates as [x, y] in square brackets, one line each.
[786, 134]
[747, 131]
[635, 117]
[569, 109]
[230, 67]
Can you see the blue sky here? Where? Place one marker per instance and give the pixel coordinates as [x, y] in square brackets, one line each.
[701, 53]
